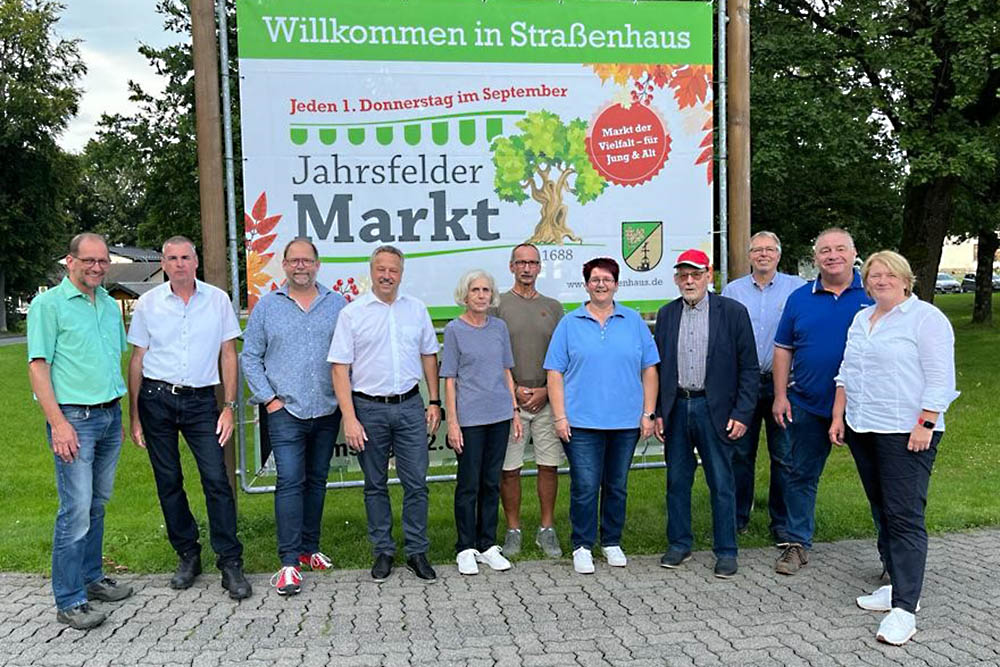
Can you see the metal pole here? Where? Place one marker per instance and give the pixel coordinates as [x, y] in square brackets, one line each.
[723, 151]
[234, 264]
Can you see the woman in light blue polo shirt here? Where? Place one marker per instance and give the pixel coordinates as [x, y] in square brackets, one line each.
[602, 382]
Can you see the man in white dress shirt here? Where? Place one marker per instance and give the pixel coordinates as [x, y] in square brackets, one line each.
[179, 332]
[382, 344]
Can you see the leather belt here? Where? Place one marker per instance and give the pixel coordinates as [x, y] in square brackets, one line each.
[96, 406]
[179, 389]
[397, 398]
[690, 393]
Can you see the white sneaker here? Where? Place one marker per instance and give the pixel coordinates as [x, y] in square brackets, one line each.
[467, 561]
[880, 600]
[493, 558]
[583, 562]
[897, 627]
[615, 556]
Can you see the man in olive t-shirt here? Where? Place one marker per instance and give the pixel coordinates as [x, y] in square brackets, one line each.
[531, 318]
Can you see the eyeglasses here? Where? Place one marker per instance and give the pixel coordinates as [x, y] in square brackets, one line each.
[522, 263]
[769, 249]
[602, 281]
[684, 275]
[89, 262]
[300, 261]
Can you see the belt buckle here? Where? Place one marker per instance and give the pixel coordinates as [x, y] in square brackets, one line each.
[173, 389]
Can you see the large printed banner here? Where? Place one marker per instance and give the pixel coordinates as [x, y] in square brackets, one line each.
[456, 129]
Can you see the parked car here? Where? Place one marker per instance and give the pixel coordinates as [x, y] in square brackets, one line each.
[969, 282]
[945, 283]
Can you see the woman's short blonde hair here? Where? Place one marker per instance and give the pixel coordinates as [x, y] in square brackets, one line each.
[465, 282]
[895, 263]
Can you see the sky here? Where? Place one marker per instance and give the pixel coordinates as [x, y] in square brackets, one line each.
[111, 31]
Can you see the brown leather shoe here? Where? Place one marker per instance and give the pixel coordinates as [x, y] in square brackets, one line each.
[792, 559]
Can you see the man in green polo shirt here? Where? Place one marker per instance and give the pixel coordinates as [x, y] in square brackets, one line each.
[75, 342]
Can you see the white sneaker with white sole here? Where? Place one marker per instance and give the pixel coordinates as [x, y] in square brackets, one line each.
[583, 561]
[879, 600]
[897, 627]
[493, 558]
[466, 560]
[615, 556]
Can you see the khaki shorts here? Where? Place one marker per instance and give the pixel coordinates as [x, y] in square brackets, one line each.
[539, 428]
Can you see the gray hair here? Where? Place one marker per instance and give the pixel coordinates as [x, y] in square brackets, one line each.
[74, 244]
[765, 234]
[178, 240]
[465, 283]
[391, 249]
[524, 245]
[833, 230]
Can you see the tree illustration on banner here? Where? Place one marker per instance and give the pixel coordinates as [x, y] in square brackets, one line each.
[691, 85]
[258, 226]
[547, 159]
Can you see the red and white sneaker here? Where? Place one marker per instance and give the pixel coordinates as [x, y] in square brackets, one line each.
[315, 562]
[287, 580]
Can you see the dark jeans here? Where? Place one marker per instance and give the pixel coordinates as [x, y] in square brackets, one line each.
[895, 481]
[163, 415]
[302, 449]
[810, 447]
[598, 463]
[745, 463]
[399, 429]
[689, 427]
[84, 486]
[477, 489]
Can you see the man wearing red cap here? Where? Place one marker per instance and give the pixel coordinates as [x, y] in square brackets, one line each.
[709, 379]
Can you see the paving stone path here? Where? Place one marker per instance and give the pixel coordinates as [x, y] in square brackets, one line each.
[539, 613]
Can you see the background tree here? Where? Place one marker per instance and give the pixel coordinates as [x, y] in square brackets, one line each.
[38, 95]
[932, 69]
[525, 163]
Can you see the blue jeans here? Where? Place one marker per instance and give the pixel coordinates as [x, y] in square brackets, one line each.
[163, 415]
[477, 488]
[598, 463]
[400, 430]
[810, 440]
[745, 460]
[302, 449]
[689, 427]
[895, 481]
[84, 486]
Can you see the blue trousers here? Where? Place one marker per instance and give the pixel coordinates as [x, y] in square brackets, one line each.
[302, 450]
[84, 486]
[810, 447]
[895, 481]
[745, 463]
[598, 467]
[689, 427]
[400, 430]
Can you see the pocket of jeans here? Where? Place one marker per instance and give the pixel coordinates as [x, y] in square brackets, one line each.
[74, 414]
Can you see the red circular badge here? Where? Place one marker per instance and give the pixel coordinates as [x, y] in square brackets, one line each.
[628, 146]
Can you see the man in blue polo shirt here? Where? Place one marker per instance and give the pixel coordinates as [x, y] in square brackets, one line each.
[811, 337]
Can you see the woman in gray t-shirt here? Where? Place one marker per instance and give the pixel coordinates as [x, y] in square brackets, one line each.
[479, 397]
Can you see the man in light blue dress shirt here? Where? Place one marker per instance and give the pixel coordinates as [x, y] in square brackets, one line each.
[763, 292]
[284, 360]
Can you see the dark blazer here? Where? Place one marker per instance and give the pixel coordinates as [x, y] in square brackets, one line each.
[732, 374]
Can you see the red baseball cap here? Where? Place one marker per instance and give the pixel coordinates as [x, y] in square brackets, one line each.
[695, 258]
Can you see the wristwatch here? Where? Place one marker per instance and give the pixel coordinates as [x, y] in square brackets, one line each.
[434, 402]
[651, 416]
[230, 404]
[927, 424]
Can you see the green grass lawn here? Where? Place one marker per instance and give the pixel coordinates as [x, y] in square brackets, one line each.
[963, 489]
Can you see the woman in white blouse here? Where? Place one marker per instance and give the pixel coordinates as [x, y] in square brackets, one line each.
[895, 384]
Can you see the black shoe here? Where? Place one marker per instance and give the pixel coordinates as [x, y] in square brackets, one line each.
[82, 617]
[417, 563]
[234, 581]
[674, 558]
[107, 589]
[725, 567]
[188, 568]
[382, 568]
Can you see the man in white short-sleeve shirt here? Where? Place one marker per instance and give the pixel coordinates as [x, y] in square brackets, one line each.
[384, 341]
[180, 331]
